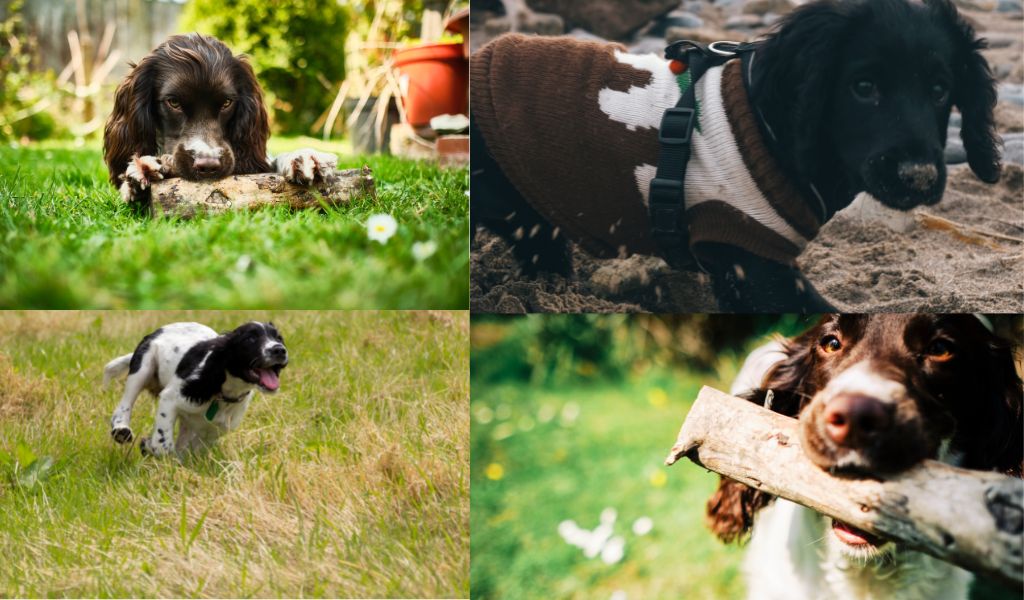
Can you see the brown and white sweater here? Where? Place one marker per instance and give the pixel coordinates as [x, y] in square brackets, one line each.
[574, 126]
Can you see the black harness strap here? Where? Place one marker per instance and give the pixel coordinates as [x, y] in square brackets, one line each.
[666, 198]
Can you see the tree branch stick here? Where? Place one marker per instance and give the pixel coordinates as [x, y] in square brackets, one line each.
[183, 198]
[971, 518]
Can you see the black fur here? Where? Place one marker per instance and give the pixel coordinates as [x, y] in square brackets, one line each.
[232, 353]
[858, 93]
[140, 351]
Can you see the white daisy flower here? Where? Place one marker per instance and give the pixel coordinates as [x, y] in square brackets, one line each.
[381, 227]
[421, 251]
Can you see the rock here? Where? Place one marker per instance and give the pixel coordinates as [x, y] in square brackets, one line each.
[1010, 6]
[676, 18]
[1012, 92]
[649, 45]
[771, 19]
[1000, 41]
[982, 5]
[527, 22]
[1002, 70]
[610, 20]
[586, 36]
[954, 154]
[760, 7]
[703, 36]
[1013, 149]
[743, 22]
[627, 277]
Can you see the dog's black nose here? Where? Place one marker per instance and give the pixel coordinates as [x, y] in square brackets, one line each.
[918, 176]
[278, 352]
[206, 166]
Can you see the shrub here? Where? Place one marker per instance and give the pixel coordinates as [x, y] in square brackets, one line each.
[296, 48]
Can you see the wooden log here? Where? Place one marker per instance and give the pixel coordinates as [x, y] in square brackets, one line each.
[974, 519]
[184, 199]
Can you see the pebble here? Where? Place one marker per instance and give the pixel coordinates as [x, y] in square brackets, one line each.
[1000, 41]
[583, 34]
[982, 5]
[760, 7]
[954, 153]
[743, 22]
[1013, 148]
[1010, 6]
[1012, 92]
[1002, 70]
[649, 45]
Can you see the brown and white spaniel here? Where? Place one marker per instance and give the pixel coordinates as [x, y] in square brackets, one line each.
[874, 394]
[192, 109]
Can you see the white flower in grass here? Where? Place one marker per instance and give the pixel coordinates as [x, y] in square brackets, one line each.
[614, 550]
[643, 526]
[421, 251]
[381, 227]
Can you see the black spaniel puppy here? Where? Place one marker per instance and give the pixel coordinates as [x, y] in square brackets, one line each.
[192, 109]
[845, 96]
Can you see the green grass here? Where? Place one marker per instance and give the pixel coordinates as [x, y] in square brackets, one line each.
[554, 468]
[350, 481]
[67, 241]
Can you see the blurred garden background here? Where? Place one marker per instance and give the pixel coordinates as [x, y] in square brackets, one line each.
[571, 419]
[342, 76]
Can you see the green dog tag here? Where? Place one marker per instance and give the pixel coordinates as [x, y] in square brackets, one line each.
[212, 411]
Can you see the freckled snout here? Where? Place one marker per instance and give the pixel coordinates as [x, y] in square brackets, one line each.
[918, 176]
[278, 353]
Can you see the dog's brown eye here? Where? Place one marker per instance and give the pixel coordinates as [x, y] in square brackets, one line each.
[865, 89]
[830, 344]
[227, 104]
[173, 103]
[940, 350]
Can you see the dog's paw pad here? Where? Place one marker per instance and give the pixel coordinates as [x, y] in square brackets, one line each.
[121, 435]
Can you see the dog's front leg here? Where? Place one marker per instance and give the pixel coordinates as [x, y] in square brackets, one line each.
[747, 283]
[161, 442]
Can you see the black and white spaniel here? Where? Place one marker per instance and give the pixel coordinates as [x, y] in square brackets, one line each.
[202, 380]
[874, 394]
[192, 109]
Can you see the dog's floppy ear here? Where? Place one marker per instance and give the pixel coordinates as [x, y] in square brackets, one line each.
[1002, 439]
[793, 72]
[250, 128]
[731, 509]
[131, 128]
[974, 93]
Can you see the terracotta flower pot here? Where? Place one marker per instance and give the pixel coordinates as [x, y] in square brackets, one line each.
[435, 80]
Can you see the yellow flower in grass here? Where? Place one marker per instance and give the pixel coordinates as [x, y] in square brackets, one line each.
[657, 397]
[381, 227]
[658, 478]
[494, 471]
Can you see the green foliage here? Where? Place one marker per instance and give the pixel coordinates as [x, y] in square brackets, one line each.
[23, 92]
[296, 49]
[545, 454]
[567, 348]
[69, 241]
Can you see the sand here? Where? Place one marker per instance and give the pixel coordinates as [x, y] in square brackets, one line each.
[866, 259]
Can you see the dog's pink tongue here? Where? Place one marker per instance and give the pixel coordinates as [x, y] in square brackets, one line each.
[269, 380]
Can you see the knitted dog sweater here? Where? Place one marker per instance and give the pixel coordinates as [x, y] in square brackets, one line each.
[574, 126]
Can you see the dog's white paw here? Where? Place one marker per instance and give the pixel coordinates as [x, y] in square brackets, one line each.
[141, 173]
[305, 166]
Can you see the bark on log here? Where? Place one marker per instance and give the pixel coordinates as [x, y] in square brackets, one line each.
[974, 519]
[184, 199]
